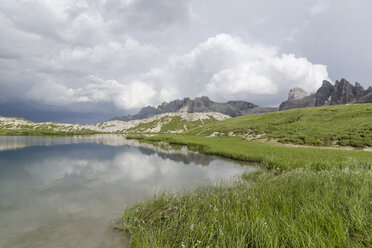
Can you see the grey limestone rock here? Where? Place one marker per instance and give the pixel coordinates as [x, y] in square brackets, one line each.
[341, 93]
[200, 104]
[296, 94]
[173, 106]
[359, 90]
[308, 101]
[367, 97]
[324, 93]
[142, 114]
[297, 98]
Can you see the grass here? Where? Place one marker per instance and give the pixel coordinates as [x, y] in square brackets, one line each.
[303, 197]
[177, 123]
[344, 125]
[170, 124]
[295, 209]
[43, 132]
[271, 156]
[166, 124]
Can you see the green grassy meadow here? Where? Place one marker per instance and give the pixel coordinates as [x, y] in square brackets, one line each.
[270, 156]
[302, 197]
[42, 132]
[344, 125]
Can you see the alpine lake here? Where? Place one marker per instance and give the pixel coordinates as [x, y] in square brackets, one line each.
[69, 191]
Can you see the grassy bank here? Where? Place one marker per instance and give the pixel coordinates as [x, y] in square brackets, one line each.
[303, 197]
[295, 209]
[42, 132]
[271, 156]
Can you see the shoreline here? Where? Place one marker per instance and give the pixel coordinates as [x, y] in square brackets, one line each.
[287, 203]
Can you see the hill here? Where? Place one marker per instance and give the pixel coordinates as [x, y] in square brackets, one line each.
[344, 125]
[163, 123]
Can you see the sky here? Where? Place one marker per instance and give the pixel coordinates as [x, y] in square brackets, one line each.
[85, 61]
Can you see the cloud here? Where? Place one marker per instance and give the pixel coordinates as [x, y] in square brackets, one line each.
[225, 68]
[109, 58]
[147, 15]
[313, 12]
[240, 79]
[125, 53]
[320, 7]
[85, 22]
[124, 96]
[54, 93]
[49, 49]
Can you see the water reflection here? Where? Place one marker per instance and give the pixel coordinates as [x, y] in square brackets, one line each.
[64, 195]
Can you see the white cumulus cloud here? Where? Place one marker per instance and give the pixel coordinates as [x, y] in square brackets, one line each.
[225, 68]
[124, 96]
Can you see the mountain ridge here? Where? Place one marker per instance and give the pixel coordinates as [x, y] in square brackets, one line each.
[342, 92]
[199, 105]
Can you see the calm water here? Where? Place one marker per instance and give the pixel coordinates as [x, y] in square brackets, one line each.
[64, 192]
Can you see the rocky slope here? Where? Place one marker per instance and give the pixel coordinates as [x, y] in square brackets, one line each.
[199, 105]
[162, 123]
[341, 93]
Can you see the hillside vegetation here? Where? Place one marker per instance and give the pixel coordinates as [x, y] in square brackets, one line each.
[162, 123]
[344, 125]
[302, 197]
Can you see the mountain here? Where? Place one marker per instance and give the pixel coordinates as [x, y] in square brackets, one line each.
[177, 122]
[342, 92]
[142, 114]
[199, 105]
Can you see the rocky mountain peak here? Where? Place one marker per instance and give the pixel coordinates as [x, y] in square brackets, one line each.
[342, 92]
[296, 94]
[147, 111]
[200, 105]
[142, 114]
[323, 94]
[359, 90]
